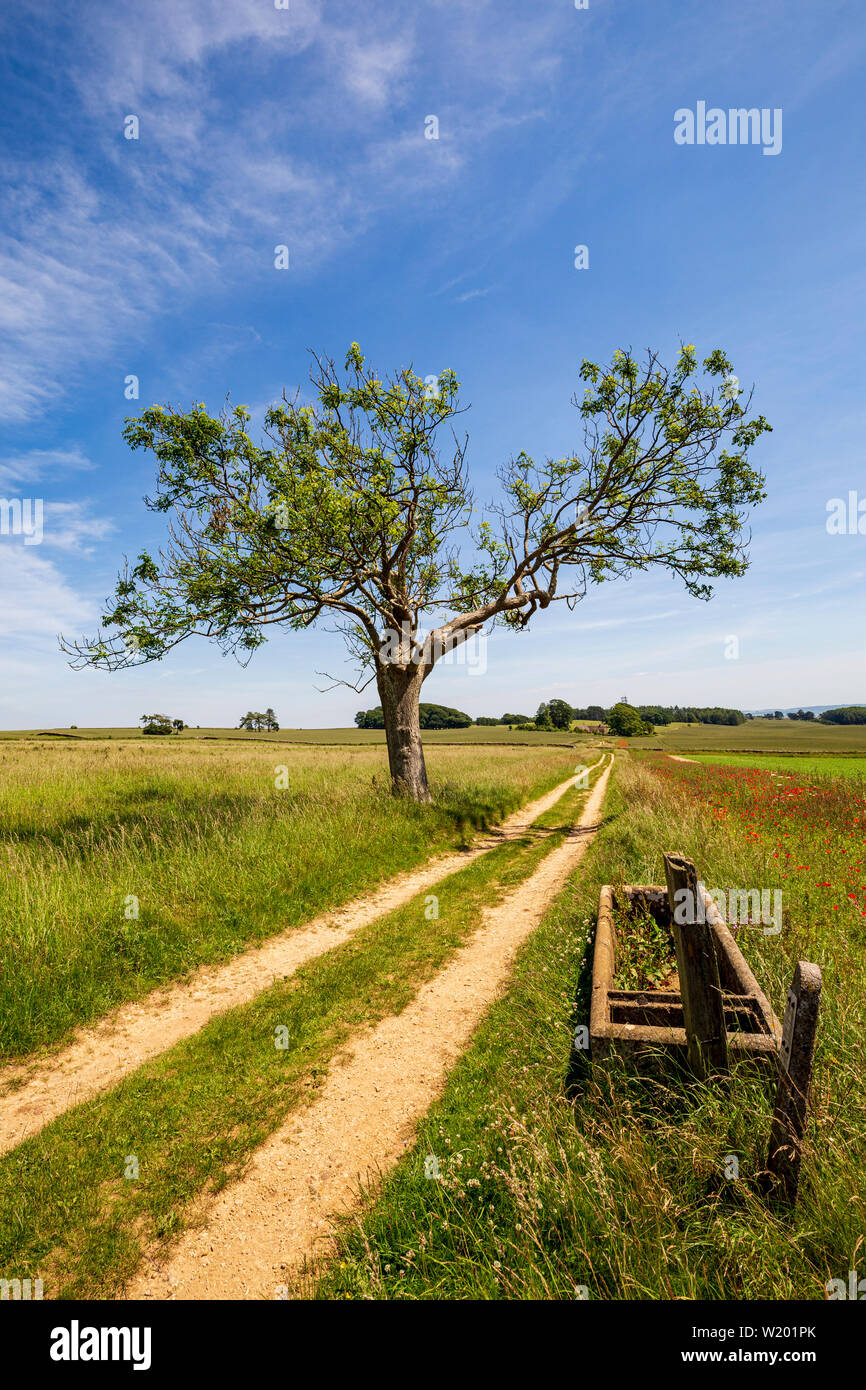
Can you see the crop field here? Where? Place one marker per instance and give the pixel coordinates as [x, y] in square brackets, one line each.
[375, 738]
[799, 764]
[758, 736]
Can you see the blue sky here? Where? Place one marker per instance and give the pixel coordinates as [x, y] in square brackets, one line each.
[306, 127]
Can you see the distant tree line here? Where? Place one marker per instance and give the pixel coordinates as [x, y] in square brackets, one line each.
[690, 714]
[849, 714]
[431, 717]
[559, 714]
[622, 719]
[846, 714]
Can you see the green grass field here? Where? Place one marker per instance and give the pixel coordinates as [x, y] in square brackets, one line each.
[472, 736]
[755, 736]
[193, 1116]
[758, 735]
[800, 765]
[132, 863]
[555, 1175]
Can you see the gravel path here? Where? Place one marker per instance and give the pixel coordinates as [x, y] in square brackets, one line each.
[32, 1094]
[259, 1230]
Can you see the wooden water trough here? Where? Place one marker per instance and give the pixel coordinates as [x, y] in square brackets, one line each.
[637, 1023]
[719, 1014]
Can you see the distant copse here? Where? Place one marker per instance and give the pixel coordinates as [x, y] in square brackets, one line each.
[848, 714]
[430, 716]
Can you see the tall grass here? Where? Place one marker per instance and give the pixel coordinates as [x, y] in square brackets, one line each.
[126, 865]
[557, 1177]
[193, 1116]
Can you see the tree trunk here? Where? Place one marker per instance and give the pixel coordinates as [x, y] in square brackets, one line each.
[400, 692]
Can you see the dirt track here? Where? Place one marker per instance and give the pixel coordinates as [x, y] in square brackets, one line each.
[31, 1095]
[259, 1230]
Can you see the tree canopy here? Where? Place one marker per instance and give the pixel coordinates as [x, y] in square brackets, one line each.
[348, 513]
[254, 720]
[625, 721]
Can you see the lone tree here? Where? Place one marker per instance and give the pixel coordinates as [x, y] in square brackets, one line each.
[156, 724]
[560, 714]
[347, 511]
[626, 721]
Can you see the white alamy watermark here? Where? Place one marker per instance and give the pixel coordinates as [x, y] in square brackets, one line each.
[401, 648]
[738, 125]
[742, 907]
[846, 517]
[20, 1290]
[22, 517]
[77, 1343]
[854, 1289]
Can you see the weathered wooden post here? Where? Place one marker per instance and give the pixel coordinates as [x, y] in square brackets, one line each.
[698, 969]
[795, 1076]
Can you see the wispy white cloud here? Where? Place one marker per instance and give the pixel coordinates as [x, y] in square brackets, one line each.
[69, 526]
[474, 294]
[37, 600]
[105, 238]
[36, 464]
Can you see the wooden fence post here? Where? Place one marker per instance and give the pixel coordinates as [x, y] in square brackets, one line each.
[795, 1076]
[698, 969]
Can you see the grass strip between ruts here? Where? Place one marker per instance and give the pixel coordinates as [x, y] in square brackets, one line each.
[188, 1121]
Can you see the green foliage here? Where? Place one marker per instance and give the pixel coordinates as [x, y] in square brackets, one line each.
[560, 714]
[370, 719]
[443, 717]
[346, 509]
[625, 721]
[157, 724]
[591, 712]
[430, 717]
[646, 955]
[847, 714]
[690, 714]
[542, 717]
[255, 720]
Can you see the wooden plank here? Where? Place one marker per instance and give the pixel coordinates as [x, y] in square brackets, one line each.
[734, 970]
[741, 1014]
[603, 967]
[795, 1076]
[698, 970]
